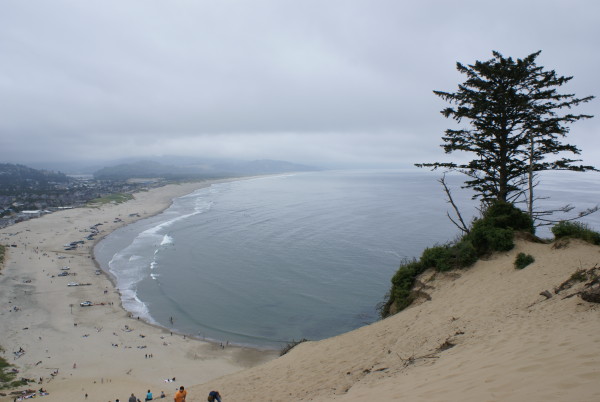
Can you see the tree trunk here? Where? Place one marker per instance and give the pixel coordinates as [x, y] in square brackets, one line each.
[530, 178]
[503, 168]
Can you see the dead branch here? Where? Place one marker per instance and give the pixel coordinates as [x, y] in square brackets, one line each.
[462, 226]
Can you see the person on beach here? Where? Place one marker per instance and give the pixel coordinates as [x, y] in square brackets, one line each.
[149, 396]
[180, 395]
[132, 398]
[214, 396]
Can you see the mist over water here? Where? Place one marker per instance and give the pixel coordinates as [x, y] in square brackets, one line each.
[267, 260]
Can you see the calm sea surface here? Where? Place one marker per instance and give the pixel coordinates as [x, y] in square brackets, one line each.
[264, 261]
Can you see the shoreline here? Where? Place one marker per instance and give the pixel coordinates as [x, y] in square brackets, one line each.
[148, 319]
[41, 315]
[483, 333]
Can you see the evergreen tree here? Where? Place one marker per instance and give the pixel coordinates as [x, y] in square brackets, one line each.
[516, 119]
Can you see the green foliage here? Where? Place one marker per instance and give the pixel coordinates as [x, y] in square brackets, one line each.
[576, 230]
[516, 119]
[493, 232]
[447, 257]
[7, 378]
[114, 198]
[399, 296]
[439, 257]
[505, 215]
[2, 253]
[523, 260]
[465, 253]
[487, 238]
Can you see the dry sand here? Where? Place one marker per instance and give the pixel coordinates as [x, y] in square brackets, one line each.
[486, 334]
[510, 343]
[97, 350]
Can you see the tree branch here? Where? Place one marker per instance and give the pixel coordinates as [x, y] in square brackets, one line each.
[462, 226]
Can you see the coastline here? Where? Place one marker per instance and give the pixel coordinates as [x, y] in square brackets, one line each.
[483, 333]
[99, 350]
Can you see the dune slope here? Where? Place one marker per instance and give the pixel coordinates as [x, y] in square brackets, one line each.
[486, 335]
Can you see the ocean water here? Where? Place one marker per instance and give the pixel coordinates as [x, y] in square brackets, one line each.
[268, 260]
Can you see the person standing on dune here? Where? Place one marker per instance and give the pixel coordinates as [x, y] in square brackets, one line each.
[180, 395]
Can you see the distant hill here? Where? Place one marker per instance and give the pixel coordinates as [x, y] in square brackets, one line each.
[143, 169]
[19, 178]
[197, 169]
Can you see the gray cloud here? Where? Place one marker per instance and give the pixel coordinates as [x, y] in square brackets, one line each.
[324, 82]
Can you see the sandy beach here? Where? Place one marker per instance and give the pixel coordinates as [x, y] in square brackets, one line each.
[481, 334]
[98, 350]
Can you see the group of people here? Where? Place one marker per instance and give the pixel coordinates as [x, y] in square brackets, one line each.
[180, 396]
[182, 393]
[149, 397]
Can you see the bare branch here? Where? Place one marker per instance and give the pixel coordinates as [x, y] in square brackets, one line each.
[462, 226]
[540, 221]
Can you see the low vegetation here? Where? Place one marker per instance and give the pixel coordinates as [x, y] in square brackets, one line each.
[2, 253]
[291, 345]
[113, 198]
[8, 377]
[523, 260]
[576, 230]
[493, 232]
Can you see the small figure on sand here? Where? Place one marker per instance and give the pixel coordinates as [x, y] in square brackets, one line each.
[180, 395]
[214, 396]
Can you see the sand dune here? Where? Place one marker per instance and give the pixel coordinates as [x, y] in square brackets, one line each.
[486, 334]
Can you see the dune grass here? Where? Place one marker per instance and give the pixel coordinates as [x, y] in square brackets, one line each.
[116, 198]
[576, 230]
[8, 378]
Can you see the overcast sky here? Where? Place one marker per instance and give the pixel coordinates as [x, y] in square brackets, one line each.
[323, 82]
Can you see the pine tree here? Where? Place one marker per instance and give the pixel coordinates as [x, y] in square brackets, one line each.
[517, 120]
